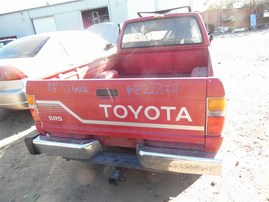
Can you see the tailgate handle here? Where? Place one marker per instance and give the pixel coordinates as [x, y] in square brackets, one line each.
[106, 92]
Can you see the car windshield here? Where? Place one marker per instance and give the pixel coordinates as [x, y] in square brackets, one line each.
[23, 48]
[162, 32]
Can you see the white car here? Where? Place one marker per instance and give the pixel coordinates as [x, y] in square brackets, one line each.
[4, 42]
[39, 56]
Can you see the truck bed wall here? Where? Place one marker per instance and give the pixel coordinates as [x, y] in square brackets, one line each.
[158, 62]
[162, 61]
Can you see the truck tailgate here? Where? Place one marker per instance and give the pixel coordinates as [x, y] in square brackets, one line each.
[170, 109]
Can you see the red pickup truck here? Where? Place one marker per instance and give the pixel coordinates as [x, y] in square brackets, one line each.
[158, 108]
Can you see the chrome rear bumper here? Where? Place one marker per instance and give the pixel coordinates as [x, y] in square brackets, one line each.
[71, 149]
[147, 158]
[179, 161]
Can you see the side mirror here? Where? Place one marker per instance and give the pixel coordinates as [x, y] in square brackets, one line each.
[211, 37]
[108, 46]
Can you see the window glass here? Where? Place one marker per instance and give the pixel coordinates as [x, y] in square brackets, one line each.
[162, 32]
[53, 49]
[23, 48]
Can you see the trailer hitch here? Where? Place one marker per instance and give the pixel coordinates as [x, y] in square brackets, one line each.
[116, 176]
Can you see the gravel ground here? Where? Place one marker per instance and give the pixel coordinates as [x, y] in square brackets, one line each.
[243, 65]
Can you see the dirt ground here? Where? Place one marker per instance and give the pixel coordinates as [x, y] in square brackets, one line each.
[243, 65]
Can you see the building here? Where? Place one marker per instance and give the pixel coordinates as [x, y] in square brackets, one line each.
[56, 15]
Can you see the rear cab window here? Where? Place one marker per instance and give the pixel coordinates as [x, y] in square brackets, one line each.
[162, 32]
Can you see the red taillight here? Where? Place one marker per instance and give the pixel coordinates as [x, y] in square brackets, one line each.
[8, 73]
[215, 125]
[215, 115]
[35, 115]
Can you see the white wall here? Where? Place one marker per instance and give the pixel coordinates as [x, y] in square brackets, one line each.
[166, 4]
[42, 25]
[68, 16]
[117, 11]
[18, 24]
[69, 21]
[134, 6]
